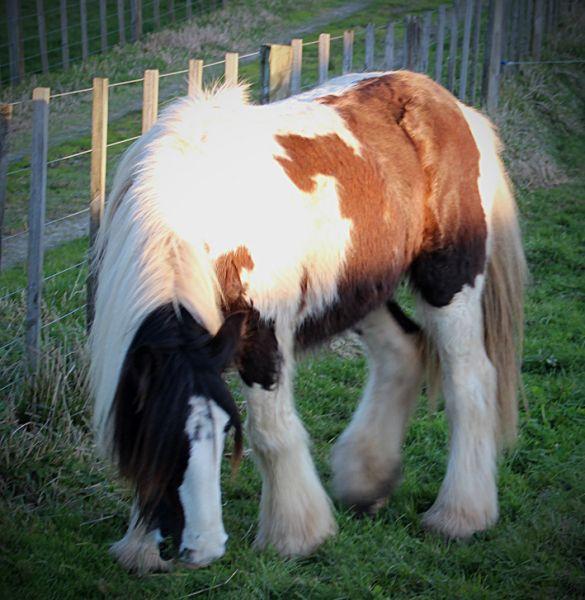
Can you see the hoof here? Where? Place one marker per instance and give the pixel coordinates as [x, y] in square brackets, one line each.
[458, 523]
[140, 557]
[298, 534]
[297, 545]
[367, 492]
[193, 559]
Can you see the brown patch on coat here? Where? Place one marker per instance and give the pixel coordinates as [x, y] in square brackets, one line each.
[453, 249]
[228, 268]
[258, 357]
[411, 193]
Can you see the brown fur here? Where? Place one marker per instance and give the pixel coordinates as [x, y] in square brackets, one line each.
[411, 193]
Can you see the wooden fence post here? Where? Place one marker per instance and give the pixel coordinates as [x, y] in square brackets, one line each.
[413, 44]
[5, 118]
[275, 72]
[195, 84]
[103, 26]
[453, 43]
[64, 35]
[36, 223]
[475, 51]
[150, 99]
[83, 26]
[324, 46]
[99, 141]
[231, 68]
[425, 42]
[538, 29]
[171, 9]
[121, 23]
[136, 19]
[42, 36]
[465, 52]
[389, 47]
[16, 57]
[405, 42]
[296, 65]
[347, 51]
[495, 46]
[440, 43]
[188, 9]
[370, 44]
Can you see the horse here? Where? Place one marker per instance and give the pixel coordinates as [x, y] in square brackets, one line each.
[240, 235]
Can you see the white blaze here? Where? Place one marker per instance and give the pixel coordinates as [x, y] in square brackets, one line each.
[204, 537]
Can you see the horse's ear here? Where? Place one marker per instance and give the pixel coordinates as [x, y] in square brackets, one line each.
[226, 341]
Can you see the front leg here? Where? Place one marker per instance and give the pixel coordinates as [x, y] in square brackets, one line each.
[295, 511]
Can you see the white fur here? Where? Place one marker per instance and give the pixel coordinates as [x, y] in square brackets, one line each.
[491, 172]
[295, 512]
[204, 537]
[366, 457]
[203, 182]
[467, 501]
[138, 550]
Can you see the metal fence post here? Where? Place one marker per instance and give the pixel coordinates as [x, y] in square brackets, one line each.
[494, 59]
[5, 118]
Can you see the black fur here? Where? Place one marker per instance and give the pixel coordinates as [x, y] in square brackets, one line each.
[440, 274]
[357, 298]
[170, 359]
[406, 323]
[259, 359]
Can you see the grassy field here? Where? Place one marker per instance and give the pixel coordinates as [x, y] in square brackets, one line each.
[61, 507]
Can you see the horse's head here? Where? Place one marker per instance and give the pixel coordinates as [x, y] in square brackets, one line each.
[171, 413]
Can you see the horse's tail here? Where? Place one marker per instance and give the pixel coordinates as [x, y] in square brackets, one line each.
[144, 263]
[503, 303]
[506, 275]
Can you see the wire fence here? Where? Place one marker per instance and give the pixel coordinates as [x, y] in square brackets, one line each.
[75, 34]
[420, 42]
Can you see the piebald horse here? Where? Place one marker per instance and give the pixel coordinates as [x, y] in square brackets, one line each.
[239, 235]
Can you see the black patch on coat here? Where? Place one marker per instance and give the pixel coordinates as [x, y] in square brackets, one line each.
[171, 359]
[259, 359]
[440, 274]
[404, 321]
[356, 300]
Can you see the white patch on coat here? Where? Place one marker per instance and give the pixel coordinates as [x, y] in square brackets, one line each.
[204, 536]
[366, 457]
[467, 501]
[201, 183]
[491, 172]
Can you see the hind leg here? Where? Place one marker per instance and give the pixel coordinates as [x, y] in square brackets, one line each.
[366, 458]
[467, 500]
[295, 511]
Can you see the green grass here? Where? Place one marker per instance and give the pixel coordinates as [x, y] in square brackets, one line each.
[61, 506]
